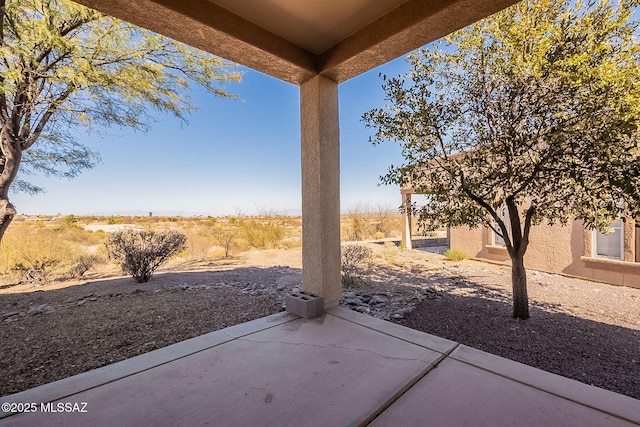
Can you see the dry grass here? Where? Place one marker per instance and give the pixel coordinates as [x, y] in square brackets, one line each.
[58, 248]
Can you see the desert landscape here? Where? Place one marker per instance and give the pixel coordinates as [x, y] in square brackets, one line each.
[58, 321]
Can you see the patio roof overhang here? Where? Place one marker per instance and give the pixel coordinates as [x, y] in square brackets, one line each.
[296, 40]
[315, 44]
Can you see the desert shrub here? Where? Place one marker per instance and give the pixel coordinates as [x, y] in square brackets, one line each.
[114, 220]
[71, 221]
[354, 259]
[389, 251]
[140, 253]
[291, 242]
[263, 234]
[226, 239]
[82, 264]
[455, 255]
[200, 243]
[354, 229]
[378, 235]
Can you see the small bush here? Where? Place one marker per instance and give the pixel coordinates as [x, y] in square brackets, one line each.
[263, 234]
[378, 235]
[140, 253]
[455, 255]
[199, 243]
[354, 259]
[389, 251]
[226, 239]
[83, 264]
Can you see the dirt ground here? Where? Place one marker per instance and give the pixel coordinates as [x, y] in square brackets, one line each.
[583, 330]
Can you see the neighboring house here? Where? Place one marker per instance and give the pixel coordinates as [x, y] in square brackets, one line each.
[572, 250]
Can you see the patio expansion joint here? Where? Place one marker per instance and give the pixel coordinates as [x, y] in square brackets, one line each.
[390, 334]
[339, 347]
[407, 387]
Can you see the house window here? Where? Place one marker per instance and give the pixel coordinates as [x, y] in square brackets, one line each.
[610, 245]
[504, 216]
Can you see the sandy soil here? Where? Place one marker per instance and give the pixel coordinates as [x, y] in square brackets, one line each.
[583, 330]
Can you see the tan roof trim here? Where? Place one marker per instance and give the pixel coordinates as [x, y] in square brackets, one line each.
[209, 27]
[205, 25]
[409, 26]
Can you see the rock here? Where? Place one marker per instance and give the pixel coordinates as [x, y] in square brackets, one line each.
[401, 313]
[33, 311]
[350, 294]
[10, 314]
[363, 309]
[377, 299]
[82, 302]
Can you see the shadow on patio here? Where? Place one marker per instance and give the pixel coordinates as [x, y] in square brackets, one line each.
[342, 368]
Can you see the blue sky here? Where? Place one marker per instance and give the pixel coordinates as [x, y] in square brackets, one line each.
[232, 156]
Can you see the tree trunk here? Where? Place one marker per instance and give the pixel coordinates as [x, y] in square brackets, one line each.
[12, 155]
[519, 286]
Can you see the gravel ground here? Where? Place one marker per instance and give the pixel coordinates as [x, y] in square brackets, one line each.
[583, 330]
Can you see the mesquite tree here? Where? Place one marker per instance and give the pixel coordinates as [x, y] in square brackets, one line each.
[534, 110]
[64, 66]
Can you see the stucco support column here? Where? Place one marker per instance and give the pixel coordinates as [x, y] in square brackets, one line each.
[321, 189]
[406, 221]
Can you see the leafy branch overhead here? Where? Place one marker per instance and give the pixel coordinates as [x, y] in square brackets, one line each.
[534, 110]
[65, 67]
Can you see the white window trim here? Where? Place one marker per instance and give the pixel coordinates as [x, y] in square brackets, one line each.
[594, 242]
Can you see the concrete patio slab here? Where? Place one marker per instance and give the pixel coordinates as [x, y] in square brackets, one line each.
[458, 394]
[321, 371]
[584, 394]
[342, 368]
[73, 385]
[431, 342]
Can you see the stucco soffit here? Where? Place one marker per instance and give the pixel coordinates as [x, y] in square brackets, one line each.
[209, 27]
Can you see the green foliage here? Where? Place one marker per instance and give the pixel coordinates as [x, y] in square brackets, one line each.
[543, 99]
[455, 255]
[64, 66]
[535, 110]
[140, 253]
[71, 221]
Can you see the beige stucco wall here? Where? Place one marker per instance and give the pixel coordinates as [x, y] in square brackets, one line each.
[558, 249]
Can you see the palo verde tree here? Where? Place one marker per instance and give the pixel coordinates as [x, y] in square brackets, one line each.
[64, 66]
[533, 112]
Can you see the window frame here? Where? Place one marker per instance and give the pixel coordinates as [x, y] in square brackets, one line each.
[503, 213]
[594, 241]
